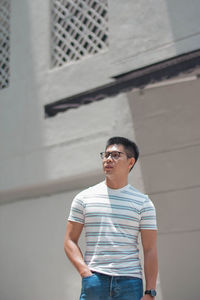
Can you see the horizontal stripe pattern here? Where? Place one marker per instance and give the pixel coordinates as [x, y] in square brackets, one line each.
[112, 234]
[115, 225]
[113, 253]
[112, 220]
[110, 215]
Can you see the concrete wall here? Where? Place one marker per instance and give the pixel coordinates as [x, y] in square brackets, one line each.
[33, 264]
[166, 122]
[32, 231]
[140, 33]
[41, 157]
[135, 41]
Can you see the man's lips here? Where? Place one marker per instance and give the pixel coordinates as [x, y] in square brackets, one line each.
[108, 167]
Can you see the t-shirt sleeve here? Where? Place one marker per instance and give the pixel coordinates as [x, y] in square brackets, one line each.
[77, 210]
[148, 215]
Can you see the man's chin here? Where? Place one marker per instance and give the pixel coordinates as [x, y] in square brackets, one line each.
[108, 172]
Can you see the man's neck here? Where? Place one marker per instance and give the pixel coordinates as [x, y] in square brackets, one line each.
[116, 184]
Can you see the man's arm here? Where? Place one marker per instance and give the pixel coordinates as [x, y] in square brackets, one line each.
[149, 238]
[72, 250]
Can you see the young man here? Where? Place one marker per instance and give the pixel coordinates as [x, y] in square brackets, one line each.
[113, 214]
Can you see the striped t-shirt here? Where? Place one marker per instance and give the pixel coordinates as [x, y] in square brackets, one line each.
[112, 220]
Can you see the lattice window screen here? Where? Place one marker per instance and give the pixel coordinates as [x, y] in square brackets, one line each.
[4, 42]
[79, 28]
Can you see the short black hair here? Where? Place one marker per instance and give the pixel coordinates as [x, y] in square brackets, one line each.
[129, 146]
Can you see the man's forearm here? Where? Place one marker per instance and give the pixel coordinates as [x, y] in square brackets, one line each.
[74, 254]
[150, 268]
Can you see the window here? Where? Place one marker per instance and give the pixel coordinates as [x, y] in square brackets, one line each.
[4, 42]
[79, 28]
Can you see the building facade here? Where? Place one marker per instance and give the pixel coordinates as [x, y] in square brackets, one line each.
[50, 53]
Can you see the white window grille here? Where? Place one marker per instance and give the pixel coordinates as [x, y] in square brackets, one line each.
[79, 28]
[4, 42]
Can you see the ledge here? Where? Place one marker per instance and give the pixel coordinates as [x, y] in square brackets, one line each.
[166, 69]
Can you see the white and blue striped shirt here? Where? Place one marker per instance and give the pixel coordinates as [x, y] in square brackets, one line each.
[112, 220]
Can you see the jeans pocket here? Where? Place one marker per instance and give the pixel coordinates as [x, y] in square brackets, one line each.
[89, 287]
[89, 282]
[88, 277]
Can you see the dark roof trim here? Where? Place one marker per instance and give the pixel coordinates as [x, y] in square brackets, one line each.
[127, 81]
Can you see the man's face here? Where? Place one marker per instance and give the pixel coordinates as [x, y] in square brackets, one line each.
[115, 166]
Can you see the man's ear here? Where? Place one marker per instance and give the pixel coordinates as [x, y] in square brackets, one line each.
[131, 162]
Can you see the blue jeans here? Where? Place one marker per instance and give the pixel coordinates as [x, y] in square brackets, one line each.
[105, 287]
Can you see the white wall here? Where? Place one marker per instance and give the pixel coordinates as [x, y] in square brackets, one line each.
[32, 231]
[40, 157]
[70, 147]
[141, 33]
[166, 122]
[33, 264]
